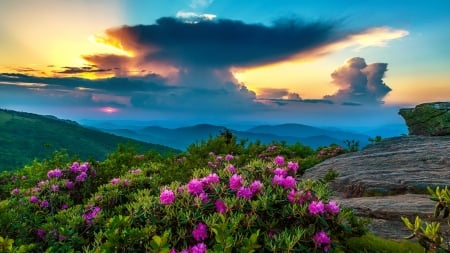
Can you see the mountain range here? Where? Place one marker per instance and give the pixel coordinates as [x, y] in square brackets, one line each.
[182, 137]
[26, 136]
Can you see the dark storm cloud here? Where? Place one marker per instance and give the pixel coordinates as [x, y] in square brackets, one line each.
[222, 43]
[80, 70]
[360, 83]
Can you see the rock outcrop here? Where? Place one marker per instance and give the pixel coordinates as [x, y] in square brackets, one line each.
[430, 119]
[388, 180]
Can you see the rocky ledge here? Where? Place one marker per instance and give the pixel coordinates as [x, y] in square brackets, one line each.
[388, 179]
[429, 119]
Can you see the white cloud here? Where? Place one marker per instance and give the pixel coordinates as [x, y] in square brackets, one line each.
[192, 17]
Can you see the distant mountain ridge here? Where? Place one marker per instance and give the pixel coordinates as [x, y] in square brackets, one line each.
[182, 137]
[26, 136]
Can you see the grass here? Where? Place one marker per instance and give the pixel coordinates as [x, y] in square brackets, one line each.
[373, 244]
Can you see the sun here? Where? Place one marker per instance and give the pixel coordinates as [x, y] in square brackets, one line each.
[109, 109]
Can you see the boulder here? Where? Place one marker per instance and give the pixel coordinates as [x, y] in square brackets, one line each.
[389, 179]
[430, 119]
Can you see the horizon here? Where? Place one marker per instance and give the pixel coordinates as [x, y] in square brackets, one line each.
[213, 61]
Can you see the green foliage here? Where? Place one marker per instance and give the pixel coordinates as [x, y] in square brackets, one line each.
[118, 207]
[429, 234]
[331, 175]
[26, 137]
[377, 139]
[372, 244]
[352, 145]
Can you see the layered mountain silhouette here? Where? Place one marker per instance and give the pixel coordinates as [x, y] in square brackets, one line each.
[182, 137]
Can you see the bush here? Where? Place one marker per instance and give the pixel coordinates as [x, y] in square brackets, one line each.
[260, 206]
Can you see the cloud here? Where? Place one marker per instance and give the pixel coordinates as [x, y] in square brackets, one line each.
[359, 82]
[173, 47]
[79, 70]
[274, 93]
[193, 18]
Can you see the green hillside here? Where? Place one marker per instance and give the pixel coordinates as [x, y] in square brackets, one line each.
[26, 136]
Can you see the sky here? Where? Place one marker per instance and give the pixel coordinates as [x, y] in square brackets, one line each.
[316, 62]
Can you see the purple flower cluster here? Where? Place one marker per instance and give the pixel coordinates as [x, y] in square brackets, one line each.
[244, 192]
[299, 197]
[200, 232]
[279, 160]
[322, 240]
[91, 214]
[318, 207]
[166, 197]
[77, 168]
[229, 157]
[220, 206]
[287, 182]
[136, 171]
[15, 192]
[236, 182]
[195, 186]
[115, 181]
[56, 173]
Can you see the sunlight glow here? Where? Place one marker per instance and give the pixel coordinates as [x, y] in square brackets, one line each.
[109, 109]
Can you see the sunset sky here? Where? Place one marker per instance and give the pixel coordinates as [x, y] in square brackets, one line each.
[318, 62]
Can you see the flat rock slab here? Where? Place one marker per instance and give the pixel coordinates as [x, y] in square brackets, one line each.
[386, 212]
[388, 180]
[394, 166]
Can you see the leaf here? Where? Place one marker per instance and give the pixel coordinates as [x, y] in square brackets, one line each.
[407, 223]
[157, 240]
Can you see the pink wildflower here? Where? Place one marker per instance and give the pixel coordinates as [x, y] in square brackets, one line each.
[64, 206]
[41, 233]
[218, 159]
[244, 192]
[166, 197]
[115, 181]
[69, 185]
[332, 207]
[280, 172]
[200, 232]
[235, 182]
[211, 179]
[34, 199]
[199, 248]
[229, 157]
[42, 183]
[279, 160]
[231, 168]
[289, 182]
[54, 188]
[322, 240]
[91, 214]
[82, 177]
[136, 171]
[256, 187]
[44, 204]
[84, 167]
[195, 186]
[220, 206]
[204, 197]
[294, 196]
[316, 207]
[126, 182]
[15, 192]
[277, 180]
[293, 166]
[56, 173]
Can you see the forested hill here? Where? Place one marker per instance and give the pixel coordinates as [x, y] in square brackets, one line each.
[26, 136]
